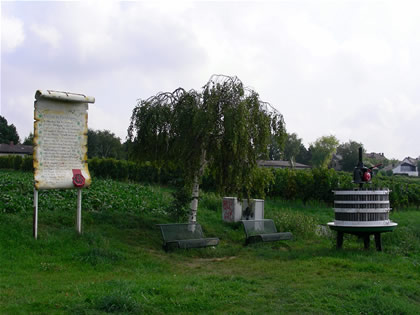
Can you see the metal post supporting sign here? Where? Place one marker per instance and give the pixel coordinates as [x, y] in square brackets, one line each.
[35, 230]
[79, 211]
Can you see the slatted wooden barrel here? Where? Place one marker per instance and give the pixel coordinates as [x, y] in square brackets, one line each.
[363, 213]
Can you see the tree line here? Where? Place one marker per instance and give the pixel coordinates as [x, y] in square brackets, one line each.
[105, 144]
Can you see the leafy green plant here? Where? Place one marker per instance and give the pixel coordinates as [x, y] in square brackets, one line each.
[211, 201]
[17, 162]
[179, 208]
[301, 225]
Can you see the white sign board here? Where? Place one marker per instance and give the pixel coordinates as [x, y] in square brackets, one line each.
[60, 139]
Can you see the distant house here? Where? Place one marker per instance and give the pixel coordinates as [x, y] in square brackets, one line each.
[16, 149]
[407, 167]
[281, 164]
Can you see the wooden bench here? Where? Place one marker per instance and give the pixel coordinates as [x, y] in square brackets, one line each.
[263, 231]
[185, 235]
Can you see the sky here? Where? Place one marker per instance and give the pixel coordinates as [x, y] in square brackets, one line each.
[345, 68]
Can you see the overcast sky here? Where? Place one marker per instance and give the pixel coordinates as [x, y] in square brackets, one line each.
[346, 68]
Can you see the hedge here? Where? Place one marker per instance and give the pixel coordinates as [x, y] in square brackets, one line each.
[288, 184]
[16, 162]
[319, 184]
[128, 170]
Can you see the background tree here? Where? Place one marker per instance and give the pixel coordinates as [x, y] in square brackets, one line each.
[8, 132]
[104, 144]
[304, 156]
[349, 152]
[225, 128]
[29, 140]
[274, 150]
[292, 147]
[322, 150]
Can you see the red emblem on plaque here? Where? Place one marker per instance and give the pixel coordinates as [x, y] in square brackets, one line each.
[78, 179]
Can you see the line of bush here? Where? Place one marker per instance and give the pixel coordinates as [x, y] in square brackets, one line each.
[288, 184]
[16, 162]
[128, 170]
[318, 184]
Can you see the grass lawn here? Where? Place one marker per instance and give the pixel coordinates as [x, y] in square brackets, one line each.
[118, 266]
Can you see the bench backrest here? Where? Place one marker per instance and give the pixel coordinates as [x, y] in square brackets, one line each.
[181, 231]
[256, 227]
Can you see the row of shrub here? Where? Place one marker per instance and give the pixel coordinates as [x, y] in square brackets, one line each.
[305, 185]
[288, 184]
[403, 193]
[16, 162]
[128, 170]
[319, 184]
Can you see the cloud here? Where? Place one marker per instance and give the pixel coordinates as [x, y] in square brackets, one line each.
[48, 34]
[315, 39]
[12, 33]
[350, 69]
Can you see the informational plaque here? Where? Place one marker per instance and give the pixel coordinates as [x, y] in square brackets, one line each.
[60, 139]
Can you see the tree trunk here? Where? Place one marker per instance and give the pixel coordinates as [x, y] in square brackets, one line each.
[196, 189]
[194, 201]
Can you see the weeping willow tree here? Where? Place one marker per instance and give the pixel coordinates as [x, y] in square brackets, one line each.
[224, 128]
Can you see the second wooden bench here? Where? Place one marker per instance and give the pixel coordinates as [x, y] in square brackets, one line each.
[263, 231]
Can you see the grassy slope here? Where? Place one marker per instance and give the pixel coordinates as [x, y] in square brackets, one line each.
[117, 264]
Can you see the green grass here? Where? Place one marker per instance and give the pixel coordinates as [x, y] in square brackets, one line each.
[118, 266]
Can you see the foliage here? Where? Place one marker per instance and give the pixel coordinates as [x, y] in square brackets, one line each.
[225, 127]
[322, 150]
[292, 147]
[134, 171]
[274, 150]
[304, 156]
[299, 224]
[6, 162]
[104, 144]
[405, 192]
[178, 210]
[306, 185]
[349, 152]
[16, 162]
[29, 140]
[8, 133]
[319, 184]
[16, 191]
[261, 179]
